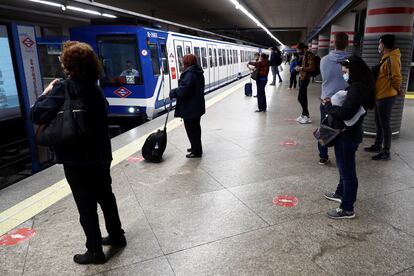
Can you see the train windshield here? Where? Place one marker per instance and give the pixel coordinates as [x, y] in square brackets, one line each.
[119, 59]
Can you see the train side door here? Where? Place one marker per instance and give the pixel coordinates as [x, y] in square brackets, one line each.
[165, 70]
[179, 53]
[212, 67]
[229, 64]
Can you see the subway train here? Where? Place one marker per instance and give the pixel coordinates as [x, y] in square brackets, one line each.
[141, 65]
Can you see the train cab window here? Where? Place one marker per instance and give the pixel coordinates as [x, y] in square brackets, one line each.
[118, 55]
[153, 48]
[204, 57]
[220, 57]
[197, 53]
[215, 58]
[164, 57]
[224, 57]
[180, 57]
[210, 57]
[187, 50]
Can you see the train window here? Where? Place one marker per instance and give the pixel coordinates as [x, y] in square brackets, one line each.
[210, 57]
[231, 57]
[220, 56]
[121, 64]
[198, 55]
[228, 57]
[224, 57]
[187, 50]
[153, 48]
[204, 57]
[164, 57]
[215, 58]
[180, 57]
[241, 56]
[236, 58]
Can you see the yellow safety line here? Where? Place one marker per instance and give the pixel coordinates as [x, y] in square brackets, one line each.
[28, 208]
[409, 96]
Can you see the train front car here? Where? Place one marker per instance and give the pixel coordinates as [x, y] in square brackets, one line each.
[135, 79]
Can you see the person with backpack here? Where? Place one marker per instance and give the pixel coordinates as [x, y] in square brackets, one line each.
[86, 162]
[274, 62]
[262, 67]
[293, 72]
[332, 81]
[306, 70]
[388, 84]
[190, 102]
[360, 93]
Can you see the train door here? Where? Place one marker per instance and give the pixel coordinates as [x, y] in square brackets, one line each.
[212, 66]
[179, 53]
[216, 66]
[205, 66]
[165, 70]
[229, 63]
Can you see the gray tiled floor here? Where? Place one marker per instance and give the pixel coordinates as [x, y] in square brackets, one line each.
[215, 216]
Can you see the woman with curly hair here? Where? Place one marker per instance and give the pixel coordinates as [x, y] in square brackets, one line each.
[87, 162]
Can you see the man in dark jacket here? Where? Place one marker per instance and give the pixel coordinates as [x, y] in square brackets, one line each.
[274, 62]
[190, 102]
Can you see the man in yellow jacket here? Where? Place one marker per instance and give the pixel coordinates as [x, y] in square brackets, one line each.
[388, 86]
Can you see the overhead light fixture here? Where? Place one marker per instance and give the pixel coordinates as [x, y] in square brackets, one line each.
[108, 15]
[83, 10]
[48, 3]
[238, 6]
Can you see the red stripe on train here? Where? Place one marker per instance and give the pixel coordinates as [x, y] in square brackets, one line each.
[349, 33]
[389, 29]
[391, 10]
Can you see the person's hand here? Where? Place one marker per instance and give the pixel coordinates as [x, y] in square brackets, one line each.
[50, 87]
[326, 101]
[298, 68]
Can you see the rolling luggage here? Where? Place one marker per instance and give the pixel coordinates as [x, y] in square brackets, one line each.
[155, 144]
[248, 89]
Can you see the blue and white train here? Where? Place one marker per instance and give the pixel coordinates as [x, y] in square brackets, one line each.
[141, 64]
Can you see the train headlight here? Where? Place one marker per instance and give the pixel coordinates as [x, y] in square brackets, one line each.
[131, 110]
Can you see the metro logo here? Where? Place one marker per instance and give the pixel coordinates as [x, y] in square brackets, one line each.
[28, 42]
[122, 92]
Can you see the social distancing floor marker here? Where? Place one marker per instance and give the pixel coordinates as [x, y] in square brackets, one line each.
[28, 208]
[17, 236]
[288, 143]
[285, 201]
[289, 119]
[135, 159]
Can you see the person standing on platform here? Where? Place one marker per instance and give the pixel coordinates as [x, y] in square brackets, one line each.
[361, 92]
[305, 70]
[274, 62]
[263, 70]
[87, 162]
[388, 86]
[190, 102]
[332, 80]
[293, 72]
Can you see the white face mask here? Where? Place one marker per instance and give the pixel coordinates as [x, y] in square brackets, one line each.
[346, 77]
[380, 49]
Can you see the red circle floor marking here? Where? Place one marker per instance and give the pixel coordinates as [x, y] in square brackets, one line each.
[289, 143]
[17, 236]
[289, 119]
[285, 201]
[135, 159]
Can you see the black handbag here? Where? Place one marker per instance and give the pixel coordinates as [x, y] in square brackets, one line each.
[68, 127]
[255, 74]
[325, 134]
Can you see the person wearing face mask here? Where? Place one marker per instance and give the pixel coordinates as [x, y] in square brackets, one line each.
[388, 85]
[332, 80]
[360, 93]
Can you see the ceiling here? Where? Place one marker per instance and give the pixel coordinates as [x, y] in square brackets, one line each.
[288, 20]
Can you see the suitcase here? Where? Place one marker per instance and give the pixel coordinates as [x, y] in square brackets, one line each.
[155, 144]
[248, 89]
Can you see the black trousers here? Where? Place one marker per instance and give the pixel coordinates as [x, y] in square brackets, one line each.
[303, 96]
[261, 93]
[91, 185]
[193, 129]
[383, 110]
[293, 80]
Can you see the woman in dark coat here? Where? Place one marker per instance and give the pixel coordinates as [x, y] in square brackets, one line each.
[361, 92]
[86, 163]
[263, 70]
[190, 102]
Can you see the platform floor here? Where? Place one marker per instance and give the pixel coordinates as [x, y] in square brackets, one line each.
[215, 215]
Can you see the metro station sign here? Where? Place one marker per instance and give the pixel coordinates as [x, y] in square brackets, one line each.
[122, 92]
[28, 42]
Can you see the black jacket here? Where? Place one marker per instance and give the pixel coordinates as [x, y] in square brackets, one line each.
[357, 96]
[190, 94]
[96, 148]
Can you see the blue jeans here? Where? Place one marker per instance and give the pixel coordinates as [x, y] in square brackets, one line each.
[348, 181]
[261, 95]
[323, 151]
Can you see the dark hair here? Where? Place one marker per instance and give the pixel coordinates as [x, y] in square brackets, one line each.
[277, 50]
[341, 41]
[265, 56]
[388, 40]
[301, 46]
[80, 61]
[360, 72]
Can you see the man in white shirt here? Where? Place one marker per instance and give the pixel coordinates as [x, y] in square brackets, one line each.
[129, 71]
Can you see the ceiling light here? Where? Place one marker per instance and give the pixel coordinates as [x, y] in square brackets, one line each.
[108, 15]
[83, 10]
[254, 19]
[47, 3]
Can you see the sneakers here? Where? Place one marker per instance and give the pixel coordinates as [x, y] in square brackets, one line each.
[333, 197]
[299, 118]
[323, 161]
[383, 156]
[338, 213]
[118, 241]
[193, 155]
[373, 148]
[90, 257]
[305, 120]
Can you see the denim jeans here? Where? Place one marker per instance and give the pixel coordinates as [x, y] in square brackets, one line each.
[303, 96]
[261, 95]
[348, 181]
[383, 110]
[323, 151]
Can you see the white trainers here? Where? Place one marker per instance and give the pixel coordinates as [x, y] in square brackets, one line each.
[299, 118]
[305, 120]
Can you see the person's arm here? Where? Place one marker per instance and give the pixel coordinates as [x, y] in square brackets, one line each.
[396, 77]
[253, 63]
[48, 105]
[350, 106]
[184, 89]
[311, 63]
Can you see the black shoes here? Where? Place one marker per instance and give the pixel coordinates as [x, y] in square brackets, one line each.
[189, 150]
[382, 156]
[118, 241]
[338, 213]
[260, 110]
[323, 161]
[90, 257]
[373, 148]
[333, 197]
[193, 155]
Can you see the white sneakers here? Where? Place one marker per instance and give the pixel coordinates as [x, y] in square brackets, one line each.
[303, 119]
